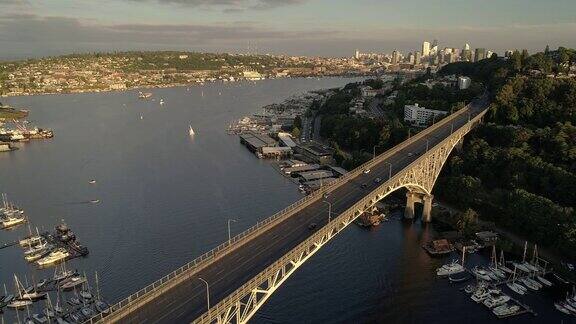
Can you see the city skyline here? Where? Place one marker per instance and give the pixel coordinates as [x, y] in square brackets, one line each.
[294, 27]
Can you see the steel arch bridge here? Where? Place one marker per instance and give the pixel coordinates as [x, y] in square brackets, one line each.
[418, 175]
[419, 178]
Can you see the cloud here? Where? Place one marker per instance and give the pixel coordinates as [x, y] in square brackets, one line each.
[231, 5]
[26, 35]
[37, 35]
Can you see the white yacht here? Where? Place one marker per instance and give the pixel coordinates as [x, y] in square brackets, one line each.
[544, 281]
[481, 274]
[11, 221]
[30, 241]
[479, 295]
[496, 301]
[560, 306]
[451, 268]
[19, 303]
[505, 310]
[528, 283]
[519, 289]
[54, 256]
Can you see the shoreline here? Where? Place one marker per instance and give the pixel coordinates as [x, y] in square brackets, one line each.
[173, 85]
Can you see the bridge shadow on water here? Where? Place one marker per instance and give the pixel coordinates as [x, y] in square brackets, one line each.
[383, 275]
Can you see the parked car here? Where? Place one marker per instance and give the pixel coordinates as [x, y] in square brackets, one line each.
[364, 186]
[312, 226]
[366, 171]
[377, 180]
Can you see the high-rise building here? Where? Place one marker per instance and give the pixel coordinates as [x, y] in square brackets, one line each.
[453, 57]
[466, 47]
[479, 54]
[417, 57]
[434, 48]
[425, 49]
[411, 58]
[466, 55]
[395, 57]
[357, 54]
[489, 53]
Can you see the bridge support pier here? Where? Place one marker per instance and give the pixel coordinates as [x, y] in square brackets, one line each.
[413, 197]
[427, 212]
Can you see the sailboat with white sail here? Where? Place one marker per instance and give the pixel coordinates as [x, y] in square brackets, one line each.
[191, 131]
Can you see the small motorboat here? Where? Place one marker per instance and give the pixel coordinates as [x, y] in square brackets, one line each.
[459, 279]
[85, 294]
[40, 318]
[74, 301]
[560, 306]
[49, 312]
[544, 281]
[516, 288]
[92, 181]
[102, 307]
[19, 303]
[95, 201]
[87, 312]
[72, 282]
[469, 289]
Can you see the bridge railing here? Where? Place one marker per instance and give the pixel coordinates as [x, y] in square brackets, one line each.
[254, 283]
[127, 303]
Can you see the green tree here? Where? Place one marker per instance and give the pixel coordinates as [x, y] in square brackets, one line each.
[296, 132]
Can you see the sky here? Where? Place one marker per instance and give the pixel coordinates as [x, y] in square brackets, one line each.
[34, 28]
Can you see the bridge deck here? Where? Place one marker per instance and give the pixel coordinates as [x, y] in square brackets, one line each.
[187, 301]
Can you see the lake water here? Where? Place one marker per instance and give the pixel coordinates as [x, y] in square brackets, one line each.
[165, 198]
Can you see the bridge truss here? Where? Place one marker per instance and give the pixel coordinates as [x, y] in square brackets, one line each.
[418, 176]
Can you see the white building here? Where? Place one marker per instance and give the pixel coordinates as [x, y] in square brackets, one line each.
[464, 82]
[251, 75]
[425, 49]
[420, 115]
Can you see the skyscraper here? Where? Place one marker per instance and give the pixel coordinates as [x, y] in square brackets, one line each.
[417, 58]
[466, 55]
[479, 54]
[466, 47]
[425, 49]
[395, 57]
[434, 48]
[357, 54]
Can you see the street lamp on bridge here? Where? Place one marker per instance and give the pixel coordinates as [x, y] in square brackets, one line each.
[207, 295]
[230, 220]
[329, 209]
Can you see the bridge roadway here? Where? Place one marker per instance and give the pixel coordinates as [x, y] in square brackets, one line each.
[187, 301]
